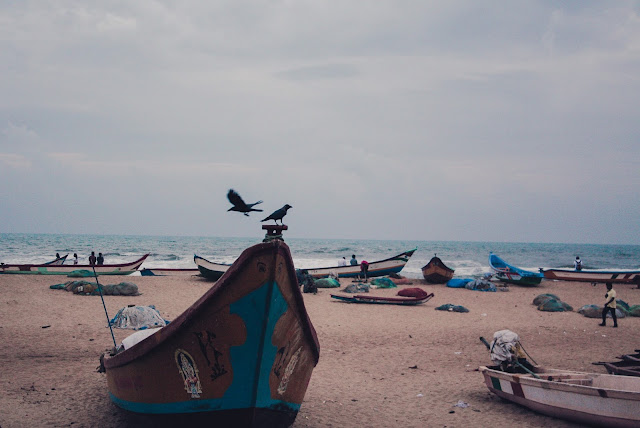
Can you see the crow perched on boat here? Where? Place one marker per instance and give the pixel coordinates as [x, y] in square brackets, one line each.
[239, 205]
[278, 214]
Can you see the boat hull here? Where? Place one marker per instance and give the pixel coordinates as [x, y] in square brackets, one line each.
[49, 269]
[168, 272]
[210, 270]
[586, 398]
[377, 268]
[513, 275]
[623, 277]
[436, 272]
[245, 350]
[404, 301]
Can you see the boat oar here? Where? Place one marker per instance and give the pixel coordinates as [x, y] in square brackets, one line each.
[105, 308]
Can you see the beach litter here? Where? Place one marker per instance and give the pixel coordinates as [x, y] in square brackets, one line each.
[461, 404]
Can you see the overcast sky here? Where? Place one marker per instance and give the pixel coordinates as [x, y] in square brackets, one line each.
[429, 120]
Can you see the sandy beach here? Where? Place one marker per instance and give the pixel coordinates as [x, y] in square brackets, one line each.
[380, 365]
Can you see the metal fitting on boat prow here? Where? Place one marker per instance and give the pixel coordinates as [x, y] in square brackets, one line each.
[274, 231]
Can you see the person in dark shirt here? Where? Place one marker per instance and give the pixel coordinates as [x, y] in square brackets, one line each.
[92, 258]
[100, 259]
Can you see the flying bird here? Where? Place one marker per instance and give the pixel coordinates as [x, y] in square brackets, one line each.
[239, 205]
[278, 214]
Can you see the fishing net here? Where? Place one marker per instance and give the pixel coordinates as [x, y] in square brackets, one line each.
[356, 288]
[553, 305]
[138, 318]
[452, 308]
[383, 283]
[480, 285]
[544, 297]
[327, 283]
[595, 311]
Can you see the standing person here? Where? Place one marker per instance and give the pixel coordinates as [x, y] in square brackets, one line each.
[610, 306]
[92, 258]
[364, 269]
[353, 260]
[75, 258]
[577, 263]
[57, 256]
[100, 259]
[342, 261]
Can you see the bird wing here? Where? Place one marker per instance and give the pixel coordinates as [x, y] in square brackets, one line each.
[236, 200]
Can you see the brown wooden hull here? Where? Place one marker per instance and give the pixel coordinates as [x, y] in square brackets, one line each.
[436, 272]
[246, 350]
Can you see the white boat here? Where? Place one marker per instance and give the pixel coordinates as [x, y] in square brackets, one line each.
[56, 269]
[378, 268]
[587, 398]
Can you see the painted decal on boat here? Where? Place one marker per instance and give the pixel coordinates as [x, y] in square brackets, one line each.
[189, 372]
[207, 346]
[288, 372]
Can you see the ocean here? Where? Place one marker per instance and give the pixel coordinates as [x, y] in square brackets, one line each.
[469, 259]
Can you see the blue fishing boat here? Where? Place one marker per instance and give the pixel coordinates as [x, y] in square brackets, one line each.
[511, 274]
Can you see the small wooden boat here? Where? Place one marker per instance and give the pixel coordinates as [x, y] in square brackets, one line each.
[241, 355]
[168, 272]
[58, 260]
[511, 274]
[210, 270]
[624, 277]
[628, 365]
[436, 272]
[378, 268]
[586, 398]
[52, 269]
[363, 298]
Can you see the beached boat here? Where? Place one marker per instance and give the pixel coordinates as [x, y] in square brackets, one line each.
[625, 277]
[168, 272]
[210, 270]
[378, 268]
[436, 272]
[627, 365]
[511, 274]
[586, 398]
[58, 260]
[381, 300]
[242, 355]
[50, 269]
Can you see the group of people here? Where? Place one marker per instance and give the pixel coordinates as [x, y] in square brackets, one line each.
[93, 260]
[364, 265]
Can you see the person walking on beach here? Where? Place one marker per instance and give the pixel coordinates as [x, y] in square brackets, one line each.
[577, 263]
[92, 258]
[610, 306]
[75, 258]
[100, 259]
[353, 260]
[342, 261]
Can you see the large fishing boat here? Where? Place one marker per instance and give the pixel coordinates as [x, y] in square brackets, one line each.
[55, 269]
[242, 355]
